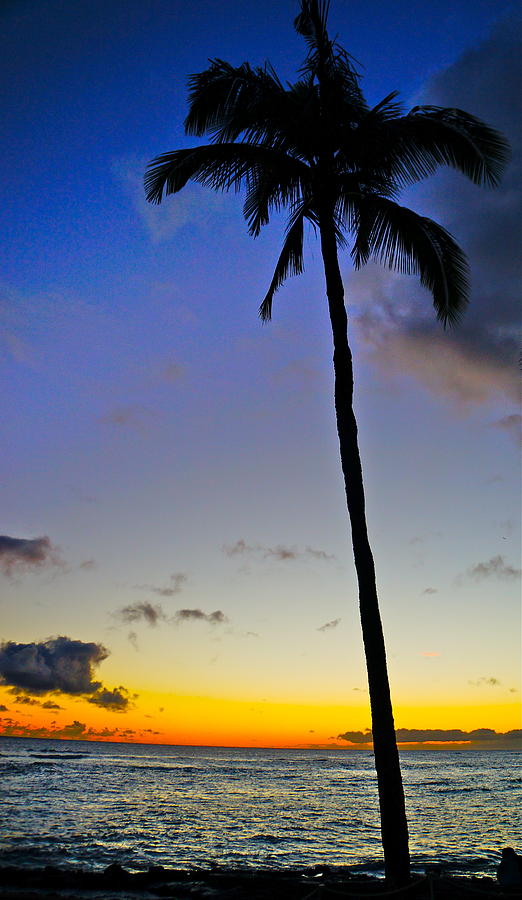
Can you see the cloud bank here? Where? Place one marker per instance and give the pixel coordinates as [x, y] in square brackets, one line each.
[177, 580]
[477, 737]
[476, 361]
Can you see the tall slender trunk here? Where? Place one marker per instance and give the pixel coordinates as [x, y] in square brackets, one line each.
[394, 828]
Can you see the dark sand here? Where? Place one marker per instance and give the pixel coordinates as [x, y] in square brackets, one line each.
[115, 883]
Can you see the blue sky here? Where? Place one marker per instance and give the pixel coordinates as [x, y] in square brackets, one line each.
[150, 421]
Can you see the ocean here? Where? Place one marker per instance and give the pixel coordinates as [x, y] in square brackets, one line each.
[90, 804]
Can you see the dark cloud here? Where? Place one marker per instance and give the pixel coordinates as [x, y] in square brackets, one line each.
[26, 554]
[117, 700]
[185, 615]
[478, 359]
[496, 567]
[58, 664]
[151, 613]
[329, 625]
[491, 682]
[177, 580]
[3, 708]
[438, 735]
[48, 704]
[281, 553]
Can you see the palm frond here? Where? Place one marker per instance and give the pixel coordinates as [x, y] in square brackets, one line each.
[290, 260]
[409, 243]
[311, 22]
[272, 188]
[413, 146]
[227, 100]
[218, 166]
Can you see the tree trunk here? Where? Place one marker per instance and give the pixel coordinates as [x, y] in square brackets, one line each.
[394, 828]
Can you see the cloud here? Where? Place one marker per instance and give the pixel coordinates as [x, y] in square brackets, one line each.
[132, 637]
[185, 615]
[26, 554]
[478, 737]
[281, 553]
[328, 626]
[430, 590]
[430, 654]
[177, 580]
[476, 361]
[496, 567]
[195, 206]
[171, 372]
[23, 699]
[131, 416]
[58, 665]
[151, 613]
[117, 700]
[490, 682]
[512, 424]
[73, 731]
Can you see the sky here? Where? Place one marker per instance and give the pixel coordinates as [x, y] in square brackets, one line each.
[175, 558]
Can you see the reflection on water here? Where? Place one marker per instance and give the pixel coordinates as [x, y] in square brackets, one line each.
[90, 804]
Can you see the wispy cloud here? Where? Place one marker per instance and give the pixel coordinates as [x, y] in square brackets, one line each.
[280, 552]
[329, 626]
[132, 416]
[195, 206]
[430, 590]
[172, 372]
[190, 615]
[489, 682]
[177, 580]
[496, 567]
[512, 424]
[151, 613]
[19, 555]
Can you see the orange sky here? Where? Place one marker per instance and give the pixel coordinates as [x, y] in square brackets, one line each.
[165, 718]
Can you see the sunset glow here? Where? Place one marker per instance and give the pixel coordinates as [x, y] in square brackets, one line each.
[175, 558]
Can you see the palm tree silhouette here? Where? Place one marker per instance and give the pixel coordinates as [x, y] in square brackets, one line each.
[317, 148]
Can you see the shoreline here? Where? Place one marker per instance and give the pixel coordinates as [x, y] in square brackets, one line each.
[225, 883]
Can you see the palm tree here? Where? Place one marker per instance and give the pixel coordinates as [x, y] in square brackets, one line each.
[317, 148]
